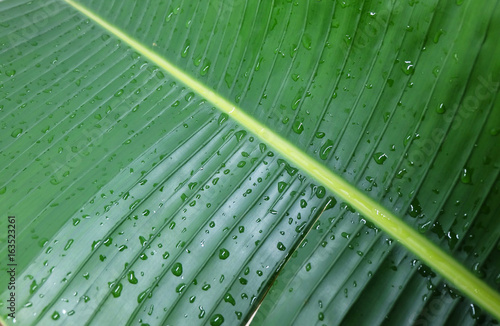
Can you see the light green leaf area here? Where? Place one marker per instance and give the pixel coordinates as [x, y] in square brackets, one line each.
[139, 201]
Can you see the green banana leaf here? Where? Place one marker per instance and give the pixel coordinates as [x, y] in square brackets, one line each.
[266, 162]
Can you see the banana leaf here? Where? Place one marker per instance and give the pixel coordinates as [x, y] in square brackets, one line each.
[249, 162]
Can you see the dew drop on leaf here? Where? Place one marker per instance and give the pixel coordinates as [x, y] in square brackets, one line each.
[16, 133]
[177, 269]
[180, 287]
[55, 315]
[415, 209]
[298, 127]
[379, 157]
[325, 149]
[441, 108]
[229, 299]
[131, 277]
[223, 254]
[216, 320]
[117, 291]
[466, 176]
[408, 67]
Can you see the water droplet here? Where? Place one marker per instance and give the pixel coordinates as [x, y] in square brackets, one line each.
[281, 186]
[185, 49]
[223, 118]
[206, 66]
[281, 246]
[259, 62]
[131, 277]
[55, 315]
[68, 244]
[229, 298]
[320, 192]
[325, 149]
[408, 67]
[452, 239]
[379, 157]
[466, 176]
[117, 291]
[16, 133]
[296, 100]
[142, 296]
[299, 228]
[177, 269]
[298, 127]
[415, 210]
[223, 254]
[202, 312]
[475, 311]
[306, 41]
[180, 287]
[438, 35]
[33, 287]
[216, 320]
[10, 73]
[240, 134]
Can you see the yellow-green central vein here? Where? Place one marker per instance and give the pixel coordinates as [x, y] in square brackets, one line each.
[431, 254]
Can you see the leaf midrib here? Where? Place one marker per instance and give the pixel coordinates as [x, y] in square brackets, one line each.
[419, 245]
